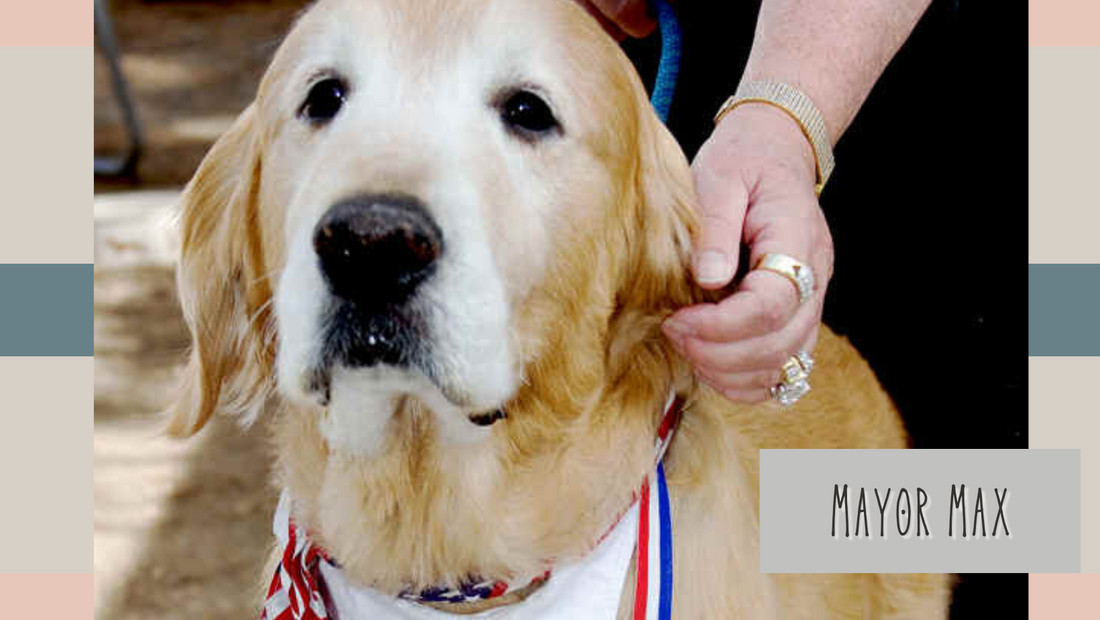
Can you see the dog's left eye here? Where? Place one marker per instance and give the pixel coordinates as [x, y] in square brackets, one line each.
[324, 101]
[527, 112]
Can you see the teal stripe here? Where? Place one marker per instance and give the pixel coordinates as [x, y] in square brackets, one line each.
[46, 310]
[1063, 310]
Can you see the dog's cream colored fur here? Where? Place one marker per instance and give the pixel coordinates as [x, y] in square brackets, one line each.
[421, 510]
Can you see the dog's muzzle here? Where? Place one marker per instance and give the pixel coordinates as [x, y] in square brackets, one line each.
[375, 251]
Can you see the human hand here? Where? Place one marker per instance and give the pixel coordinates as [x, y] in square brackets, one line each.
[755, 180]
[621, 18]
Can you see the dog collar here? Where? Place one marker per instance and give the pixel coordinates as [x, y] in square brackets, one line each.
[309, 585]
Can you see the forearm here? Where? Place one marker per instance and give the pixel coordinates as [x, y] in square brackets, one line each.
[833, 50]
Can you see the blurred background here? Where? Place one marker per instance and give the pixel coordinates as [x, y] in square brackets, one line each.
[921, 207]
[181, 527]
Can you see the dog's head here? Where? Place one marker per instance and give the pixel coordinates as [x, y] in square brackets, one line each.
[431, 212]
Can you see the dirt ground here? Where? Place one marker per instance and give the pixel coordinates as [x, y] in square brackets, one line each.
[192, 67]
[181, 528]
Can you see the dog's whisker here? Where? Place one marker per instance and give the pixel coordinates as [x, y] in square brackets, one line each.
[270, 274]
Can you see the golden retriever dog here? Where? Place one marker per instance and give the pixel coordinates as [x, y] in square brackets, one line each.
[440, 244]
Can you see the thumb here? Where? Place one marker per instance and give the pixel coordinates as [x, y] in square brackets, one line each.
[722, 205]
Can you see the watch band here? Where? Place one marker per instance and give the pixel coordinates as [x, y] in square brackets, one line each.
[799, 107]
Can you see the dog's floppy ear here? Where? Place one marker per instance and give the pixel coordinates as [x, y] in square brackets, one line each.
[656, 279]
[221, 285]
[666, 219]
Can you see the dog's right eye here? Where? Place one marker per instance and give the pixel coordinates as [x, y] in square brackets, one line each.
[526, 113]
[324, 101]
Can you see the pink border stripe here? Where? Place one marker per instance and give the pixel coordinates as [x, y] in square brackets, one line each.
[1062, 597]
[1063, 22]
[47, 597]
[47, 22]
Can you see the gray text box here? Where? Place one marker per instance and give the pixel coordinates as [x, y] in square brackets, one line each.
[802, 525]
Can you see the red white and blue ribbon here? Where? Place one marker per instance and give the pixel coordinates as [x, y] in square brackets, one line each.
[653, 586]
[653, 583]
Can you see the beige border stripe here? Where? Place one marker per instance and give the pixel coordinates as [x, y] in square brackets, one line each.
[46, 161]
[1063, 138]
[1063, 413]
[46, 465]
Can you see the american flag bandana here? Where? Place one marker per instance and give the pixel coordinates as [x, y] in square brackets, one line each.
[297, 590]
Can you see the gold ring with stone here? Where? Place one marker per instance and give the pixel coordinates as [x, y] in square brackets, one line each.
[799, 273]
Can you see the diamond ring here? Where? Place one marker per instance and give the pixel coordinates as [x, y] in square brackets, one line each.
[800, 274]
[796, 375]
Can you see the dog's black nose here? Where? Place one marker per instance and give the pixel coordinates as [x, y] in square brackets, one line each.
[374, 250]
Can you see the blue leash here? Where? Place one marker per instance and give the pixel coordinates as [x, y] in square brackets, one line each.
[669, 68]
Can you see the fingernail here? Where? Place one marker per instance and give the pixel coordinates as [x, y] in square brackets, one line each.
[678, 330]
[712, 267]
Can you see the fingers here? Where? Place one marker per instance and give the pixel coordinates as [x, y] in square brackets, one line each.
[764, 303]
[746, 370]
[630, 16]
[748, 396]
[739, 345]
[723, 360]
[722, 205]
[742, 382]
[796, 229]
[789, 223]
[754, 179]
[746, 387]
